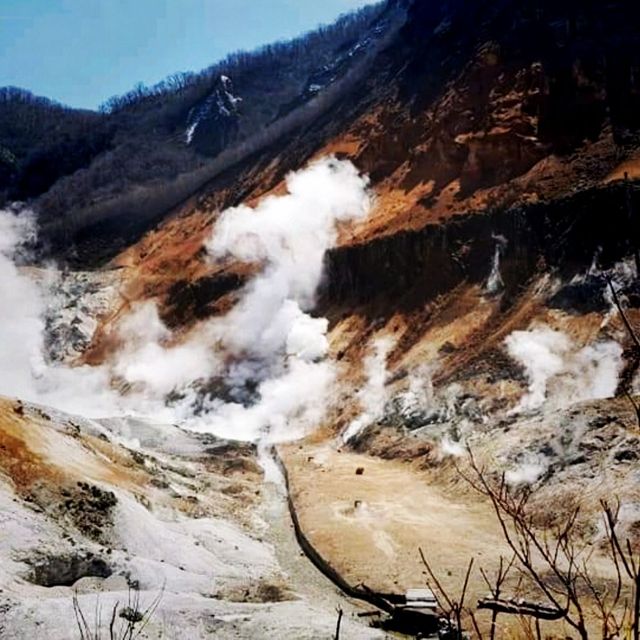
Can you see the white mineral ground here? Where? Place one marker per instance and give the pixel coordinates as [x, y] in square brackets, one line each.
[204, 531]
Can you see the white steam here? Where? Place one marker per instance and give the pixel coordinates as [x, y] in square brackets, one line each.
[527, 472]
[146, 359]
[290, 405]
[495, 283]
[372, 397]
[270, 327]
[420, 394]
[21, 310]
[450, 448]
[289, 235]
[559, 372]
[268, 343]
[24, 370]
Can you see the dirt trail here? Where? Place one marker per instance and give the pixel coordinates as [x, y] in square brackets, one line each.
[306, 580]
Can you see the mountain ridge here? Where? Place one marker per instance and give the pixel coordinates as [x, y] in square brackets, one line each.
[141, 137]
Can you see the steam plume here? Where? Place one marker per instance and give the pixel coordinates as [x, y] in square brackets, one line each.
[372, 397]
[560, 373]
[528, 471]
[269, 339]
[21, 309]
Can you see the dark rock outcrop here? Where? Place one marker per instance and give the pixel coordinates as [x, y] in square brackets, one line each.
[411, 268]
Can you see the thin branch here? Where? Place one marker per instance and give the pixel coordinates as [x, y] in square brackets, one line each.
[623, 315]
[338, 623]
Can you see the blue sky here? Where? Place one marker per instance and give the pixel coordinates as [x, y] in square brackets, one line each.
[81, 52]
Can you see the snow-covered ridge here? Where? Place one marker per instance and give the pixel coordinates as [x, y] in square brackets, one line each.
[220, 104]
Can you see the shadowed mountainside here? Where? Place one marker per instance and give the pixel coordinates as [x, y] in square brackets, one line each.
[83, 165]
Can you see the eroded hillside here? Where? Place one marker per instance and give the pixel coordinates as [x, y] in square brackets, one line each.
[504, 164]
[101, 509]
[479, 288]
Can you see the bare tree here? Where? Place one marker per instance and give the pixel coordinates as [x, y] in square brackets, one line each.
[627, 563]
[495, 587]
[553, 562]
[452, 607]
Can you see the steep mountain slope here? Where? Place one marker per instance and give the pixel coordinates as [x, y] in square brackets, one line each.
[474, 303]
[518, 118]
[469, 156]
[502, 144]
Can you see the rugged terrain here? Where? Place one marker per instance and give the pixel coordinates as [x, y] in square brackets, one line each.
[472, 306]
[97, 509]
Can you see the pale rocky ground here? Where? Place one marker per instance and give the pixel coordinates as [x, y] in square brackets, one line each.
[185, 517]
[368, 516]
[96, 507]
[77, 302]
